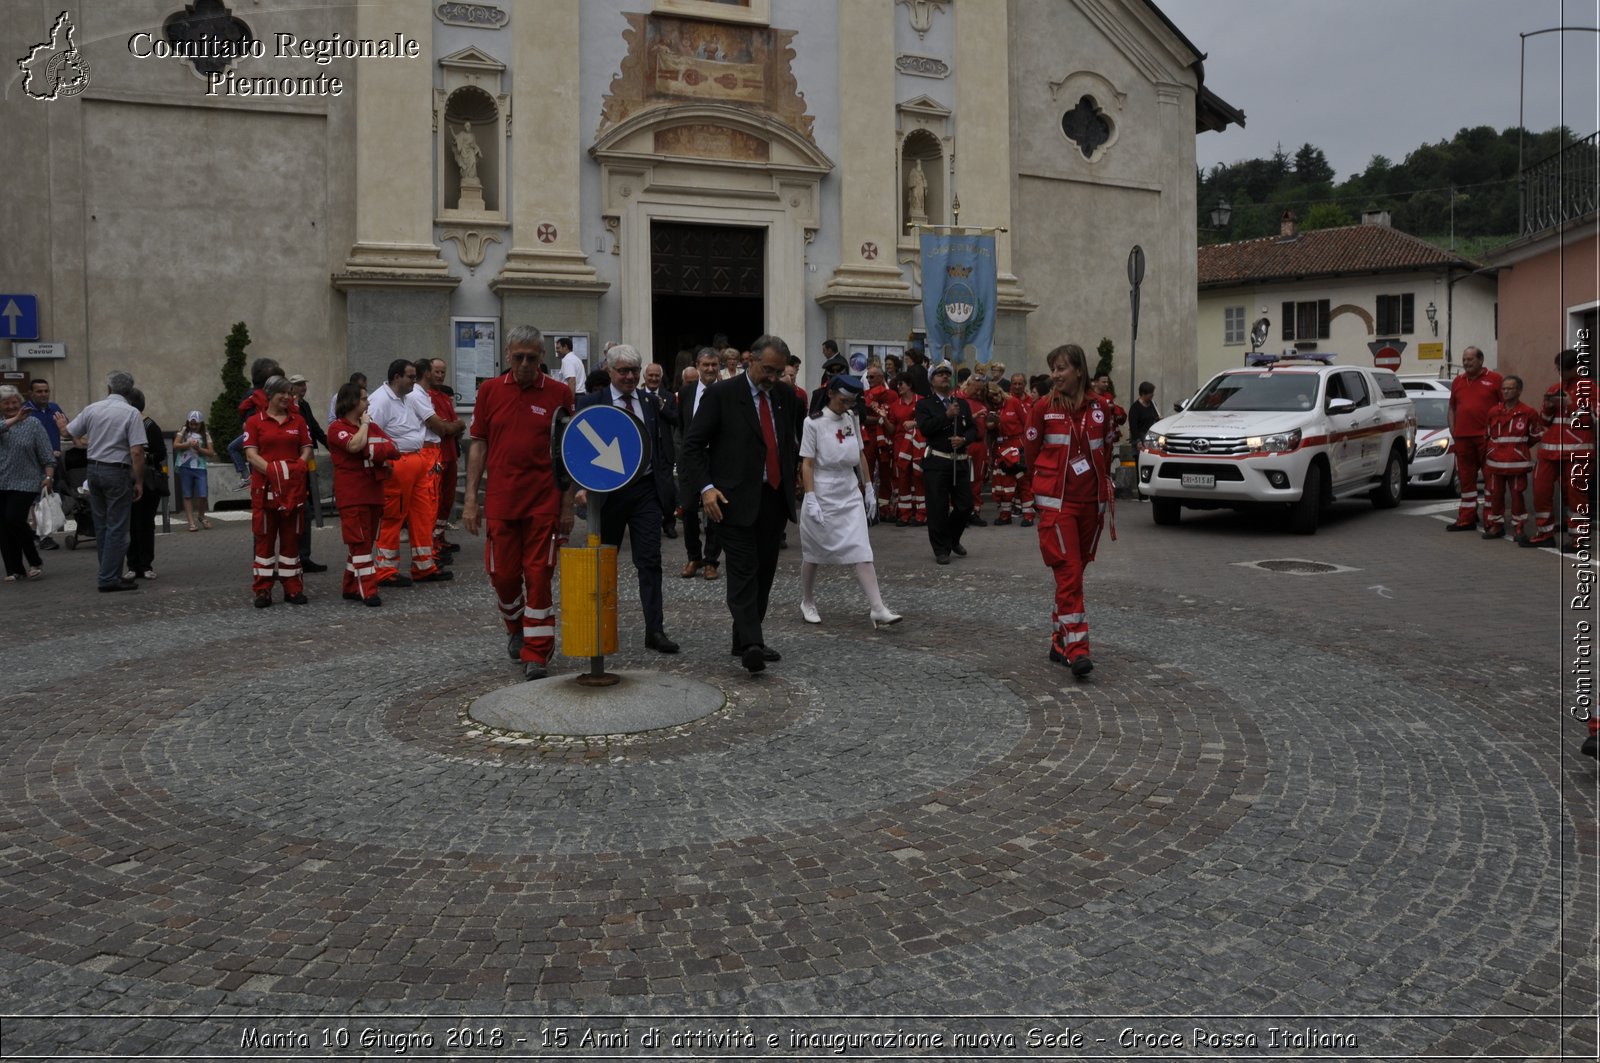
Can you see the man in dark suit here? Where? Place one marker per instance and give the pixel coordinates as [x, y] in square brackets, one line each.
[650, 384]
[946, 423]
[636, 508]
[741, 450]
[708, 366]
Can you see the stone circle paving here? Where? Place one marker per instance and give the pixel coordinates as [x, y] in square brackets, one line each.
[1276, 821]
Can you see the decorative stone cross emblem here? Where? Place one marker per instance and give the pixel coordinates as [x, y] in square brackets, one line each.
[869, 250]
[546, 233]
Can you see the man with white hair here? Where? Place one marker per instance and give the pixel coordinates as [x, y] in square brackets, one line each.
[636, 508]
[112, 432]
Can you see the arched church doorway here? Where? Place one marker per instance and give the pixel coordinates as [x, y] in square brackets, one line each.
[705, 281]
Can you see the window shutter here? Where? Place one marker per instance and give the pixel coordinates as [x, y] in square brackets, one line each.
[1384, 328]
[1407, 314]
[1288, 321]
[1323, 308]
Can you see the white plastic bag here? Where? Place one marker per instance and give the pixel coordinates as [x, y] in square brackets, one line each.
[48, 517]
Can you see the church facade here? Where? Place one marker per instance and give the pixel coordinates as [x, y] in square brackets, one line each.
[407, 178]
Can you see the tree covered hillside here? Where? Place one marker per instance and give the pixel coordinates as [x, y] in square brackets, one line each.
[1477, 168]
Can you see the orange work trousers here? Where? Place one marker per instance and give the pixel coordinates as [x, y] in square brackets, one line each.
[410, 498]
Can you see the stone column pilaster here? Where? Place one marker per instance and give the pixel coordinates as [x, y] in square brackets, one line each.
[546, 156]
[869, 179]
[983, 128]
[394, 151]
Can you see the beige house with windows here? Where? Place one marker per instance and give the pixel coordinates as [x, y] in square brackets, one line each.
[1358, 291]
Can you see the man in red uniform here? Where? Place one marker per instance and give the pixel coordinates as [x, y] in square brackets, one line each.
[910, 501]
[878, 433]
[1068, 454]
[1566, 453]
[1513, 429]
[1472, 395]
[976, 391]
[1013, 491]
[527, 515]
[444, 407]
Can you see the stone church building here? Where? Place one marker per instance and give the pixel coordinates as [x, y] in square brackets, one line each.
[649, 171]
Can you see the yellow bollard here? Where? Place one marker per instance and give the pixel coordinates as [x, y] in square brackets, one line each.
[588, 620]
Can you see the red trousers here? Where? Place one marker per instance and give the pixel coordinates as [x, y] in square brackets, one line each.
[1067, 539]
[521, 559]
[911, 503]
[1013, 491]
[447, 491]
[1494, 510]
[880, 463]
[277, 534]
[409, 498]
[358, 527]
[1546, 473]
[1470, 452]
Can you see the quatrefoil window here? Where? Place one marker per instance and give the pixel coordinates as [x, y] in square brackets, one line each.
[1087, 126]
[214, 36]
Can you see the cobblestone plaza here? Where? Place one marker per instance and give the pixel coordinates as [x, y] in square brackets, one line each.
[1346, 807]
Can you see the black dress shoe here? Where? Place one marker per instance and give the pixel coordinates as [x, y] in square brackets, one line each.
[47, 543]
[753, 659]
[436, 576]
[1469, 526]
[958, 549]
[767, 653]
[977, 522]
[941, 559]
[313, 566]
[120, 585]
[514, 645]
[1082, 666]
[298, 598]
[263, 601]
[1547, 540]
[373, 602]
[658, 641]
[396, 581]
[669, 530]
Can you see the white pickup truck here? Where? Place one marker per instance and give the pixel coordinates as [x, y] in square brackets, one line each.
[1292, 432]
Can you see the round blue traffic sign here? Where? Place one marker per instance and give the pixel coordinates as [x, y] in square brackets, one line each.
[604, 448]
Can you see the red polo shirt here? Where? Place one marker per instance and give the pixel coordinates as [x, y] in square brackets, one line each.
[274, 441]
[445, 408]
[515, 422]
[1472, 400]
[358, 478]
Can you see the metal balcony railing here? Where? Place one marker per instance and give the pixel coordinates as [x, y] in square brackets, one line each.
[1564, 186]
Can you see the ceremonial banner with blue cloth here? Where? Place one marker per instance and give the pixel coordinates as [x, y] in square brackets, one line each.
[958, 282]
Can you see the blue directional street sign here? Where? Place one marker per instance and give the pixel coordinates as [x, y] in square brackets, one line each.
[603, 448]
[19, 317]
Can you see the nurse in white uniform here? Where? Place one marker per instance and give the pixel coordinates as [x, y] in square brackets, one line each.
[839, 500]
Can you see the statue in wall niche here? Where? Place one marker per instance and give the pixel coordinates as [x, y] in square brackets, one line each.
[467, 152]
[917, 194]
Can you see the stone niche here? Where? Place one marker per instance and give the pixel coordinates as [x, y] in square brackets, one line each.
[924, 143]
[471, 127]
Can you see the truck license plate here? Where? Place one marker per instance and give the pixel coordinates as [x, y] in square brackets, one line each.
[1199, 479]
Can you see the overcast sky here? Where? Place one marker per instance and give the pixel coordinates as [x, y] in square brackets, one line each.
[1364, 77]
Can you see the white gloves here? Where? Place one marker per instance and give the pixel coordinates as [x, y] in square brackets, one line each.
[872, 503]
[814, 508]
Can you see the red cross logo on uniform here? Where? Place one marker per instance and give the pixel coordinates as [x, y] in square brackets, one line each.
[869, 250]
[546, 233]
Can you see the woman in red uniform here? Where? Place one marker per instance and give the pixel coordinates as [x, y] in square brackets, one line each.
[361, 454]
[1067, 449]
[277, 444]
[910, 500]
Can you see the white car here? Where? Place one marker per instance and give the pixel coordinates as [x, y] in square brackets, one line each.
[1294, 432]
[1425, 383]
[1434, 464]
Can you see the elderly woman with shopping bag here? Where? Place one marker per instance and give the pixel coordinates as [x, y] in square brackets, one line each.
[27, 467]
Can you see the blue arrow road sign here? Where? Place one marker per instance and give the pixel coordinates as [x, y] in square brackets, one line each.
[19, 317]
[603, 448]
